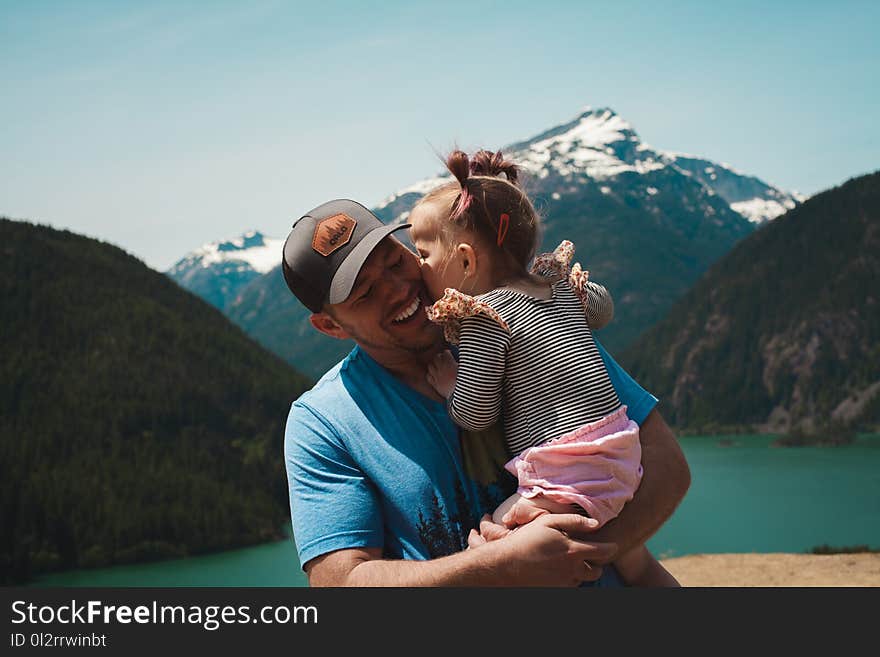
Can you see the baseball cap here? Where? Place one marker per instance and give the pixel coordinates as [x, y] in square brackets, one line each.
[327, 247]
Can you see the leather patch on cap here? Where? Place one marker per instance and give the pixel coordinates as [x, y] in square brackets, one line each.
[333, 233]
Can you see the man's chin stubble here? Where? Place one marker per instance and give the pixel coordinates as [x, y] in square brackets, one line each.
[415, 348]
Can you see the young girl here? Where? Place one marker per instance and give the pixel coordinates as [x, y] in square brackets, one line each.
[526, 352]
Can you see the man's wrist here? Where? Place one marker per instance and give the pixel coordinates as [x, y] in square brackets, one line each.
[489, 565]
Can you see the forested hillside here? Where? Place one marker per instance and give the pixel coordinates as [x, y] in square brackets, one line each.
[136, 421]
[783, 333]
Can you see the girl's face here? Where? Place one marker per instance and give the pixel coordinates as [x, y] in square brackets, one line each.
[438, 269]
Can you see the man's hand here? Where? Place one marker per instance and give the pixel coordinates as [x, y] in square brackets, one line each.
[489, 531]
[442, 372]
[555, 550]
[563, 556]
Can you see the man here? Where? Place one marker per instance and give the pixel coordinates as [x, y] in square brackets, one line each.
[383, 490]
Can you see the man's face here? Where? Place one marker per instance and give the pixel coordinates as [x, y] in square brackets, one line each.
[386, 307]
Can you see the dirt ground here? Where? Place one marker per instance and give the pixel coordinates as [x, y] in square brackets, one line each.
[776, 569]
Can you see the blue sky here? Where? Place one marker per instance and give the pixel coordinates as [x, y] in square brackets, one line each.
[159, 126]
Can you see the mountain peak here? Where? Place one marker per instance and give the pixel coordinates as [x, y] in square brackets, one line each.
[600, 145]
[591, 127]
[247, 240]
[598, 127]
[597, 143]
[251, 250]
[603, 112]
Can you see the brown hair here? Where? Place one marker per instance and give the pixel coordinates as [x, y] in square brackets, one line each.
[495, 209]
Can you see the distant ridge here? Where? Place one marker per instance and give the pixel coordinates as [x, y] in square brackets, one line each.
[783, 332]
[217, 271]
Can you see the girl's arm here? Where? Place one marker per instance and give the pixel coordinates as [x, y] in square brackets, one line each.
[475, 403]
[599, 305]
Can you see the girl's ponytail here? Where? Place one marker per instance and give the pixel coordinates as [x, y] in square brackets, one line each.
[459, 166]
[487, 163]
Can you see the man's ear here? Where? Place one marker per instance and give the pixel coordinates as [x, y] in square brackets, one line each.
[328, 326]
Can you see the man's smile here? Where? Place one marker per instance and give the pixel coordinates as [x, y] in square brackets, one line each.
[409, 311]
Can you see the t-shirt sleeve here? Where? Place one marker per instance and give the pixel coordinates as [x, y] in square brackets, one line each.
[475, 403]
[639, 401]
[599, 305]
[333, 504]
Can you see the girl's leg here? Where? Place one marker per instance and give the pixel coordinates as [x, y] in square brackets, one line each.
[639, 568]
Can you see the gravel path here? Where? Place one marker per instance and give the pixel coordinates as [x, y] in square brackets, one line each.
[776, 569]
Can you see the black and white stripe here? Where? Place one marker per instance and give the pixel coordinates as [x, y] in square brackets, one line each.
[545, 377]
[599, 306]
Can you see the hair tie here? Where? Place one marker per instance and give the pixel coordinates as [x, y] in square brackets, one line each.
[461, 204]
[503, 225]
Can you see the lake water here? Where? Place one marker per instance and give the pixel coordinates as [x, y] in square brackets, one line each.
[744, 497]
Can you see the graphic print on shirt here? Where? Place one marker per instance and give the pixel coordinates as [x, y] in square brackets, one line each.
[444, 533]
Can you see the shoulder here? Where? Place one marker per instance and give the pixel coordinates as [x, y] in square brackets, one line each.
[324, 390]
[555, 263]
[497, 298]
[507, 302]
[639, 401]
[564, 289]
[307, 427]
[456, 310]
[516, 306]
[317, 411]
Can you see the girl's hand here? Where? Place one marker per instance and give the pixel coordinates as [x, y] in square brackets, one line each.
[523, 511]
[489, 531]
[442, 372]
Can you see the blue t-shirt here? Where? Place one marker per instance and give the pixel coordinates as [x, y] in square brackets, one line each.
[373, 463]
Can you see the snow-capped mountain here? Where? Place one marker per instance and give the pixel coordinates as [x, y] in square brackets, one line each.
[219, 270]
[646, 223]
[600, 146]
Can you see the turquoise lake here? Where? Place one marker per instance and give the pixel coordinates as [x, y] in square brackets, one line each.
[745, 496]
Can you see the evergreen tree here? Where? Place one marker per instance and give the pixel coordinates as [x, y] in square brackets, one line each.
[136, 422]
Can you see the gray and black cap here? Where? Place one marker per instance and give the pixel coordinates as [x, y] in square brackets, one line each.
[327, 247]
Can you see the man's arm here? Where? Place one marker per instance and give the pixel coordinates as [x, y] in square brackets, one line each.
[665, 481]
[664, 484]
[550, 551]
[666, 476]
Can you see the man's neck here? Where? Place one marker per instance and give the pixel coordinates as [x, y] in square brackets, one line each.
[408, 366]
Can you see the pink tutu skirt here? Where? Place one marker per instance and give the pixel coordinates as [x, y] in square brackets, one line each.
[597, 466]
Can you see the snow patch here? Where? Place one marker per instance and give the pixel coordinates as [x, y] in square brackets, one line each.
[758, 210]
[252, 249]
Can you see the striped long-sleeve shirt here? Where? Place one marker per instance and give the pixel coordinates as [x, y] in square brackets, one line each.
[544, 375]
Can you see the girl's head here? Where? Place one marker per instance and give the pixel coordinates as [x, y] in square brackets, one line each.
[478, 231]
